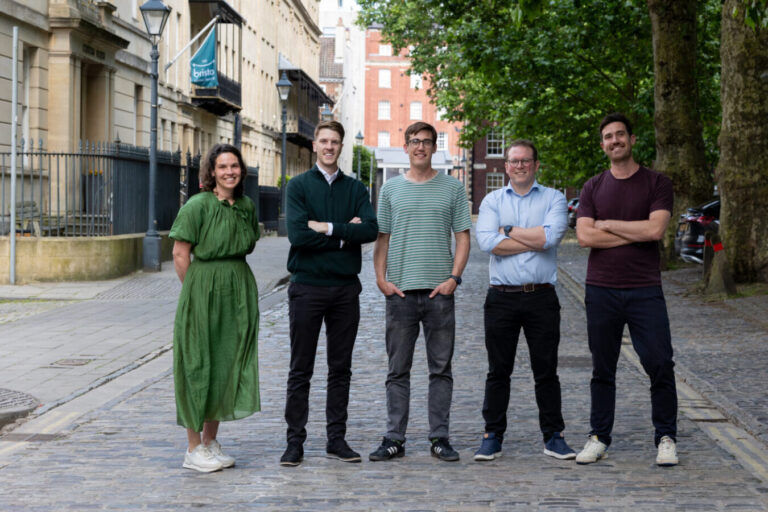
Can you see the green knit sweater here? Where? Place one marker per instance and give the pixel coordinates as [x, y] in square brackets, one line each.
[318, 259]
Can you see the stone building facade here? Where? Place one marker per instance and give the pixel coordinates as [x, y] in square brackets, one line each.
[84, 75]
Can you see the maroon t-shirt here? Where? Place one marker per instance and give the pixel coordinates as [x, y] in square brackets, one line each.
[605, 197]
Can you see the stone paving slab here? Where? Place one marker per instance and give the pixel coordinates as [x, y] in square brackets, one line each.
[127, 455]
[47, 328]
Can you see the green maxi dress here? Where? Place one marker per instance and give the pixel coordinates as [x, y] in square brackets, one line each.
[215, 335]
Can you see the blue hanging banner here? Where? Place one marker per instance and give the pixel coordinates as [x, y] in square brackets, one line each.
[203, 72]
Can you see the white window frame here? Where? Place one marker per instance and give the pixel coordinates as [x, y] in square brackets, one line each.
[385, 50]
[493, 181]
[416, 111]
[383, 140]
[442, 141]
[385, 78]
[494, 143]
[416, 81]
[384, 110]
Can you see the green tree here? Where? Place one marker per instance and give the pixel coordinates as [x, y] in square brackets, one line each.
[742, 173]
[549, 75]
[680, 150]
[366, 158]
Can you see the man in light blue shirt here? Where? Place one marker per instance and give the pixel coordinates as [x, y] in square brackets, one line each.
[520, 225]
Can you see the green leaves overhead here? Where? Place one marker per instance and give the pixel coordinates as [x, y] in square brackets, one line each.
[542, 70]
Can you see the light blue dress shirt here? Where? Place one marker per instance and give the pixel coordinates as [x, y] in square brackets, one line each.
[541, 206]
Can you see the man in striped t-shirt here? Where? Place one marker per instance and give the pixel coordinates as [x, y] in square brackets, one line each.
[417, 273]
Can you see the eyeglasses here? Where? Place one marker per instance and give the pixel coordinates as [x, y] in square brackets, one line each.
[426, 142]
[525, 162]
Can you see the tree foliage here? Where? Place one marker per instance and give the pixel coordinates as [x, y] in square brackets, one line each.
[367, 161]
[544, 70]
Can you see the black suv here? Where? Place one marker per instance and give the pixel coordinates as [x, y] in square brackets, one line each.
[692, 228]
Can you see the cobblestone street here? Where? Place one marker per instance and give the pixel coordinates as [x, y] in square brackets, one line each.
[127, 454]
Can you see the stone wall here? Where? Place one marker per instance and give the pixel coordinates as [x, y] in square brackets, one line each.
[75, 258]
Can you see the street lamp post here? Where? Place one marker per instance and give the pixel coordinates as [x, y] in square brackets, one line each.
[370, 178]
[155, 14]
[359, 144]
[283, 89]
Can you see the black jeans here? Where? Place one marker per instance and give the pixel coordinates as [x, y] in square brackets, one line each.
[645, 312]
[538, 314]
[308, 306]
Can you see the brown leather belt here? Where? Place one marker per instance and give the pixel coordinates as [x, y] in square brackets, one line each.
[530, 287]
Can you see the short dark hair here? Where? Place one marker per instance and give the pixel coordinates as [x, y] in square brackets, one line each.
[523, 142]
[207, 181]
[330, 125]
[419, 126]
[615, 117]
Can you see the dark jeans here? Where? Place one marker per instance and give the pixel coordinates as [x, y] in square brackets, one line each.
[538, 314]
[403, 318]
[308, 306]
[645, 312]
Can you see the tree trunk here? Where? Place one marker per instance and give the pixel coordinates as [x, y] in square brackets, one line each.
[742, 172]
[679, 142]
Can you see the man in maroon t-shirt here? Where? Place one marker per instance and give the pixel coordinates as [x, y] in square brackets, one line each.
[622, 214]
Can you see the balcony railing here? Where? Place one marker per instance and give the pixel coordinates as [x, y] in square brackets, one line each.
[221, 100]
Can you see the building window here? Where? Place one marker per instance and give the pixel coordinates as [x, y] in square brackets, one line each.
[385, 78]
[442, 141]
[415, 110]
[495, 143]
[440, 115]
[384, 109]
[385, 50]
[493, 181]
[383, 141]
[415, 81]
[138, 114]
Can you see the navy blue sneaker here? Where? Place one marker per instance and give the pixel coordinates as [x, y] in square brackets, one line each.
[489, 449]
[557, 447]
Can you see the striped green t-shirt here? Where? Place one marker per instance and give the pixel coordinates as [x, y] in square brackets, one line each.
[420, 218]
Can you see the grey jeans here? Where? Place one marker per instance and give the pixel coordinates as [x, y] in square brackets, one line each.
[403, 318]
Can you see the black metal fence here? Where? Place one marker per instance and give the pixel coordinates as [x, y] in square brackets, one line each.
[102, 189]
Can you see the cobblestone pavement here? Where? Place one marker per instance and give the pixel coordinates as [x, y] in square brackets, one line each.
[127, 455]
[721, 347]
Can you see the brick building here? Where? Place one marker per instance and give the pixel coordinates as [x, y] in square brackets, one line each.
[394, 99]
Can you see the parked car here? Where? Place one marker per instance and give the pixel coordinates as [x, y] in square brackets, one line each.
[573, 205]
[692, 228]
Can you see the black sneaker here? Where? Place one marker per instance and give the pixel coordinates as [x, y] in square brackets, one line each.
[339, 449]
[389, 449]
[293, 455]
[443, 450]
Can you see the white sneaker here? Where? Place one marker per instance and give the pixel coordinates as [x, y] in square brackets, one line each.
[667, 455]
[593, 451]
[226, 460]
[201, 459]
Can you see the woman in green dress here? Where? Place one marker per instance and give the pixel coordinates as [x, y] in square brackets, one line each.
[215, 336]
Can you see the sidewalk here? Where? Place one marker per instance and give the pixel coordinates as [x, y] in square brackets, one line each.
[127, 453]
[62, 340]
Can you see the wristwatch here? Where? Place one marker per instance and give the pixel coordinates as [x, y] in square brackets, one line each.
[457, 279]
[508, 230]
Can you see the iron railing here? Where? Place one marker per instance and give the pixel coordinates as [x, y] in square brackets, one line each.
[102, 189]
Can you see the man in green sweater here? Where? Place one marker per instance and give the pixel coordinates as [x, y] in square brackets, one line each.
[328, 216]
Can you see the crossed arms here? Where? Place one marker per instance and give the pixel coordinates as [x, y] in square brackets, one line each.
[608, 233]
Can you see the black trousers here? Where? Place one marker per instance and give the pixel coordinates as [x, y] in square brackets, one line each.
[644, 311]
[309, 306]
[538, 314]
